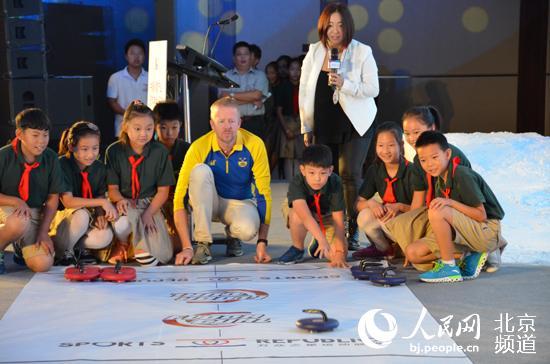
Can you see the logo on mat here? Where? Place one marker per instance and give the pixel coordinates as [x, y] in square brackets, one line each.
[219, 296]
[210, 343]
[216, 319]
[371, 334]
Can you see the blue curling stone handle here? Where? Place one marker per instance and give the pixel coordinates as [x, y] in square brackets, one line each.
[388, 281]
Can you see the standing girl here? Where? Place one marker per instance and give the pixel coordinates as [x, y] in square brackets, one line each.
[395, 180]
[139, 176]
[87, 212]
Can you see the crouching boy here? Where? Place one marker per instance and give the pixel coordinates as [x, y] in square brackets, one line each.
[316, 205]
[465, 216]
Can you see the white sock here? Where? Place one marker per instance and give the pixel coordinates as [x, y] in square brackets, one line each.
[449, 262]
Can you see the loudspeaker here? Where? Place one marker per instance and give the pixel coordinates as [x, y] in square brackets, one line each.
[22, 63]
[14, 8]
[70, 98]
[21, 32]
[16, 95]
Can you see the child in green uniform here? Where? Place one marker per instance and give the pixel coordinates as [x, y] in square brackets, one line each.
[167, 127]
[139, 176]
[87, 211]
[464, 215]
[27, 164]
[315, 204]
[412, 225]
[393, 178]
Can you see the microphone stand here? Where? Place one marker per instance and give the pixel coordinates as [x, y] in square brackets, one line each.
[216, 40]
[206, 39]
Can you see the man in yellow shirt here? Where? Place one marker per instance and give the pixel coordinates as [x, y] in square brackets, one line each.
[225, 177]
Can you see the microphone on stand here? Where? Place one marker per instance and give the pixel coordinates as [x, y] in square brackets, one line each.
[334, 63]
[221, 22]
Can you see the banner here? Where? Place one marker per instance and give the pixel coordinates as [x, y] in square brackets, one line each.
[228, 313]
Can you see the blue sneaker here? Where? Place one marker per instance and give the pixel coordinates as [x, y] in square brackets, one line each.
[291, 256]
[312, 248]
[442, 273]
[472, 265]
[2, 266]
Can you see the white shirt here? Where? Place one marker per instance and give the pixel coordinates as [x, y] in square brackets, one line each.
[357, 94]
[125, 89]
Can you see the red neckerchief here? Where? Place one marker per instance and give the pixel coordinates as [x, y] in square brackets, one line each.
[317, 197]
[25, 177]
[135, 176]
[86, 187]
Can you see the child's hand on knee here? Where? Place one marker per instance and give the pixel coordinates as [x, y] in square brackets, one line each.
[46, 242]
[111, 213]
[21, 209]
[122, 206]
[101, 222]
[148, 223]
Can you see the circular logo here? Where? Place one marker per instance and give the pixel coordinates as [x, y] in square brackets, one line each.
[371, 334]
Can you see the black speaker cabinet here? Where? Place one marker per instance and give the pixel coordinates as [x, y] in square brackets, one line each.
[14, 8]
[21, 32]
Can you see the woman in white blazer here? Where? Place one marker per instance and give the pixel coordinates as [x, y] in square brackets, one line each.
[337, 109]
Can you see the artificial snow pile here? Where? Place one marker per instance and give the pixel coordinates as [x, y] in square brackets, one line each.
[517, 168]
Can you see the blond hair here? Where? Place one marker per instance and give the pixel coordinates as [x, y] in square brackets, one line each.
[223, 102]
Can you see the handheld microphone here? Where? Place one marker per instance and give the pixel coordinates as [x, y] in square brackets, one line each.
[227, 20]
[334, 63]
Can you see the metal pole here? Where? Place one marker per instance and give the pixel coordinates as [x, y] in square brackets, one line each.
[186, 106]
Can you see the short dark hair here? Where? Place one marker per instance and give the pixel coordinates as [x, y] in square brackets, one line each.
[134, 42]
[324, 21]
[317, 155]
[239, 45]
[32, 118]
[432, 137]
[255, 50]
[428, 115]
[167, 110]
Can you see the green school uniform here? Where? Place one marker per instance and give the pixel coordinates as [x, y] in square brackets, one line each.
[403, 187]
[468, 187]
[155, 170]
[44, 180]
[455, 153]
[332, 194]
[177, 155]
[97, 176]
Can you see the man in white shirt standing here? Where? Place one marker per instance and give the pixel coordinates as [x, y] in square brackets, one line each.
[128, 84]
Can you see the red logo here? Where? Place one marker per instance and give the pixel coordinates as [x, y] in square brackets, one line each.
[219, 296]
[210, 343]
[216, 319]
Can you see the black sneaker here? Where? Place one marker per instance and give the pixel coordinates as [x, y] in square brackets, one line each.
[18, 255]
[2, 265]
[234, 248]
[352, 235]
[68, 258]
[86, 256]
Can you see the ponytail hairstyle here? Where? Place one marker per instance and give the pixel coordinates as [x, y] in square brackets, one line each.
[136, 108]
[429, 115]
[395, 129]
[71, 136]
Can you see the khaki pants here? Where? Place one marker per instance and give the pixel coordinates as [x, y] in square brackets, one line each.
[28, 239]
[469, 235]
[407, 228]
[240, 216]
[328, 223]
[70, 226]
[157, 244]
[368, 223]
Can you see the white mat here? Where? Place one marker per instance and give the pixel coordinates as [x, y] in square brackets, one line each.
[167, 315]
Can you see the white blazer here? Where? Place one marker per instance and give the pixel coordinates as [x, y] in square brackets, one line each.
[357, 94]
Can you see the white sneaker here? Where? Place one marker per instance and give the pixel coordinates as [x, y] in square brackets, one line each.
[493, 262]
